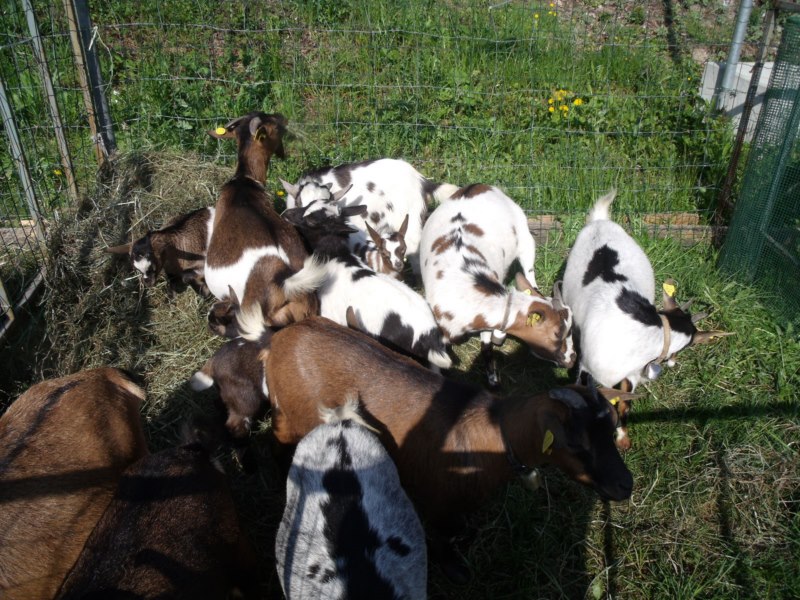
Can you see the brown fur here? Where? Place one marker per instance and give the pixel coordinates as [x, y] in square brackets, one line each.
[265, 286]
[63, 446]
[444, 436]
[171, 531]
[238, 373]
[471, 190]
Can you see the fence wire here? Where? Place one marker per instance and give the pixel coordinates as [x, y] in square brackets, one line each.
[555, 102]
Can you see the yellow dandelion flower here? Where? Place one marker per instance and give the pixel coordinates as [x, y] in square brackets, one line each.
[57, 172]
[551, 109]
[550, 100]
[564, 107]
[552, 5]
[577, 102]
[281, 193]
[535, 15]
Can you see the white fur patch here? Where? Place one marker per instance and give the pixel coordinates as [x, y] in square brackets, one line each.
[264, 387]
[142, 264]
[200, 381]
[219, 278]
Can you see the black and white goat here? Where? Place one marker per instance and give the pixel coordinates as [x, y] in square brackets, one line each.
[178, 249]
[610, 286]
[348, 530]
[391, 190]
[468, 245]
[379, 305]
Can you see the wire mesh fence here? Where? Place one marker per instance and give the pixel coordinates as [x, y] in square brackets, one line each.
[763, 243]
[555, 102]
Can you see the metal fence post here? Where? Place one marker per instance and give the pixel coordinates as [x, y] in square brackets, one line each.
[52, 104]
[18, 155]
[80, 25]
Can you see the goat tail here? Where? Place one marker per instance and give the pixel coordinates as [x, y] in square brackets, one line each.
[250, 322]
[601, 209]
[440, 359]
[204, 378]
[443, 191]
[308, 279]
[346, 412]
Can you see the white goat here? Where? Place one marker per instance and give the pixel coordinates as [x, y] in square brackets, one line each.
[467, 247]
[348, 529]
[610, 286]
[391, 190]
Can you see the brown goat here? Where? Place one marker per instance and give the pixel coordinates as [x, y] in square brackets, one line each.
[252, 250]
[171, 531]
[454, 444]
[63, 446]
[178, 249]
[238, 374]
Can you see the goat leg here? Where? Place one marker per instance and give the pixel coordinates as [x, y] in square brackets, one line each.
[489, 360]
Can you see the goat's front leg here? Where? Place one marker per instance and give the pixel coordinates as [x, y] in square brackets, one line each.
[621, 439]
[489, 359]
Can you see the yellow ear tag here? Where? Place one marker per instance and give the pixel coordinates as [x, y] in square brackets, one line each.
[547, 443]
[669, 289]
[614, 401]
[220, 131]
[528, 292]
[533, 318]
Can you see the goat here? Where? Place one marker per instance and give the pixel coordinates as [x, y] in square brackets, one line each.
[252, 250]
[383, 251]
[610, 286]
[63, 445]
[454, 444]
[378, 304]
[348, 530]
[468, 245]
[171, 531]
[391, 190]
[238, 374]
[178, 249]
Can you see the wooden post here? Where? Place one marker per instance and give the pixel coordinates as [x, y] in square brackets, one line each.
[55, 115]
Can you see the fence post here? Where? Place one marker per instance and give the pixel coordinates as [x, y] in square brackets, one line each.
[55, 115]
[18, 155]
[80, 27]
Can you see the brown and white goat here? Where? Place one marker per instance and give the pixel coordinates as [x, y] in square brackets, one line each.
[468, 245]
[63, 447]
[171, 531]
[252, 249]
[454, 444]
[178, 249]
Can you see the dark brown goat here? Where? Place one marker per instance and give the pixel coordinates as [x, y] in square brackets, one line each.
[63, 446]
[178, 249]
[454, 444]
[238, 374]
[252, 249]
[171, 531]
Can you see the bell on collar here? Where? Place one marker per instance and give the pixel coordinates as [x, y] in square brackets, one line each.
[652, 371]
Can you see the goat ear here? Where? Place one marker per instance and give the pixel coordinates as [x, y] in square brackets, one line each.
[352, 320]
[340, 194]
[404, 227]
[291, 188]
[704, 337]
[569, 397]
[523, 285]
[376, 237]
[359, 210]
[668, 296]
[123, 249]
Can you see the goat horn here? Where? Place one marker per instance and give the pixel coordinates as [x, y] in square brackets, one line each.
[291, 188]
[699, 317]
[352, 320]
[338, 195]
[685, 305]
